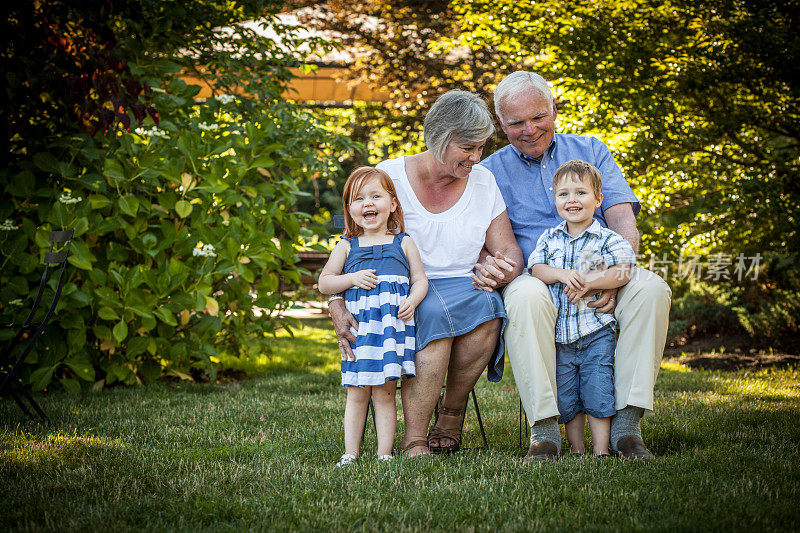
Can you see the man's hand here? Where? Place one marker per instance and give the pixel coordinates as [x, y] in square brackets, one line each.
[607, 301]
[342, 322]
[364, 279]
[493, 273]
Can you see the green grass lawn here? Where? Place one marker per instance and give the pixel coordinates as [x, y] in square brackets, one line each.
[260, 454]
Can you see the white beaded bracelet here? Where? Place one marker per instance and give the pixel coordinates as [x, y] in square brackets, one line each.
[335, 297]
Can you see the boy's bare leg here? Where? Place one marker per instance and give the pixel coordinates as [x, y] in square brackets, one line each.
[601, 432]
[574, 429]
[383, 398]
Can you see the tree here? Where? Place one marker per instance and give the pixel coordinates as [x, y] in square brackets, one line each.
[700, 99]
[184, 212]
[398, 46]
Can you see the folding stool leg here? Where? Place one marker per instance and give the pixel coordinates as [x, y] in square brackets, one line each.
[33, 403]
[19, 401]
[480, 421]
[524, 427]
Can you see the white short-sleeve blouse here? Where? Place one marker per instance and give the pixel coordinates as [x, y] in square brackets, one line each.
[449, 242]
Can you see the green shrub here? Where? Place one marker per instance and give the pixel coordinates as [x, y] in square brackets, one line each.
[185, 227]
[703, 309]
[776, 320]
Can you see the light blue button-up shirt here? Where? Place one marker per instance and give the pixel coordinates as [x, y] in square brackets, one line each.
[595, 245]
[527, 184]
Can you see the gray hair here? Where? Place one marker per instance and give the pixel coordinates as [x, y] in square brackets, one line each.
[459, 116]
[518, 82]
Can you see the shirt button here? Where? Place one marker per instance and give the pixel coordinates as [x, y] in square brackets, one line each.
[551, 188]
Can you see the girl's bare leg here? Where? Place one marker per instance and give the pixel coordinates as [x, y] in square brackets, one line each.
[383, 399]
[355, 411]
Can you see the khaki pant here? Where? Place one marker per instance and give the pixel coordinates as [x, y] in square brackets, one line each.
[642, 314]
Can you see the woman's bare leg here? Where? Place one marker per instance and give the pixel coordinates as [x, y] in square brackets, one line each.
[419, 394]
[470, 354]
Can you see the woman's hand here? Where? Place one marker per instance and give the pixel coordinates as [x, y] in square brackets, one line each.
[365, 279]
[495, 271]
[406, 310]
[342, 322]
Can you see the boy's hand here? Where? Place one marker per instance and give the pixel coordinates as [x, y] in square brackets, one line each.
[575, 296]
[573, 280]
[365, 279]
[406, 310]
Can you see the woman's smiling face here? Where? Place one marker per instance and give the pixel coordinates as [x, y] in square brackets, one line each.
[460, 156]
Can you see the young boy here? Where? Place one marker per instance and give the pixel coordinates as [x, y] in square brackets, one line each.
[584, 338]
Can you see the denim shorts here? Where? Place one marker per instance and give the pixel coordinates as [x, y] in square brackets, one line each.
[585, 375]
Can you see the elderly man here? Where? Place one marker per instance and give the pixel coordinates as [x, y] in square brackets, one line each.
[524, 172]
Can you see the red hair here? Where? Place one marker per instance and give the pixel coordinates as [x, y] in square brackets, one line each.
[353, 186]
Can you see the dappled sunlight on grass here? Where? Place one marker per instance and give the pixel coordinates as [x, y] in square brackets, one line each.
[311, 348]
[29, 448]
[675, 367]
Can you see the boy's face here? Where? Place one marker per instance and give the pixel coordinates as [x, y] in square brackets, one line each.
[575, 199]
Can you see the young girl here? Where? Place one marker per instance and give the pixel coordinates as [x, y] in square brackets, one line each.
[380, 268]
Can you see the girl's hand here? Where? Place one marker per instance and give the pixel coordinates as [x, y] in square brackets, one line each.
[406, 310]
[365, 279]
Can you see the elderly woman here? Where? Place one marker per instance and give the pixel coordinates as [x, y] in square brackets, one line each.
[457, 217]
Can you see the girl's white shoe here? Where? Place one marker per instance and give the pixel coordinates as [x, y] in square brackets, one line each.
[346, 460]
[385, 457]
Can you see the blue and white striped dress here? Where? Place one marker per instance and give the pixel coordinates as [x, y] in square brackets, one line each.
[385, 345]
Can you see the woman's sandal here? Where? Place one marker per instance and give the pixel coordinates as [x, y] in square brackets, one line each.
[413, 444]
[441, 433]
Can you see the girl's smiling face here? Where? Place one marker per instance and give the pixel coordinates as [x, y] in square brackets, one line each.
[371, 206]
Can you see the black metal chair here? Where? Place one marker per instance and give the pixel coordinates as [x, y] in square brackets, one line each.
[29, 331]
[338, 222]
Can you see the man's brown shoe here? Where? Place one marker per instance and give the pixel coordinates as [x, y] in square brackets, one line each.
[541, 452]
[632, 447]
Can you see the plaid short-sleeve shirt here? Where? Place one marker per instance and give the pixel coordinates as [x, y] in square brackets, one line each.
[596, 245]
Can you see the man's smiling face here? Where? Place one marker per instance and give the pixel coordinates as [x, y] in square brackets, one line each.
[529, 121]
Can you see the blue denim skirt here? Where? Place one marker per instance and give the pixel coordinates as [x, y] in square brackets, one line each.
[454, 307]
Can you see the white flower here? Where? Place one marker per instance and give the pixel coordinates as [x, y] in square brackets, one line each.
[225, 98]
[206, 251]
[65, 198]
[16, 301]
[8, 225]
[152, 132]
[208, 127]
